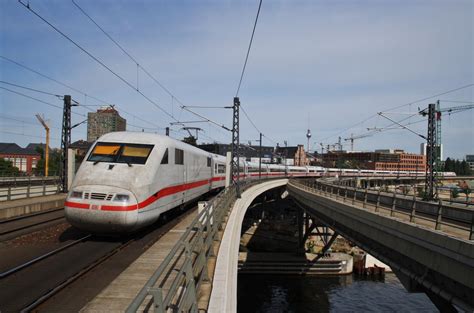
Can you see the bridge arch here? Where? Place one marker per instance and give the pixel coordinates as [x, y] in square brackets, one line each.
[224, 289]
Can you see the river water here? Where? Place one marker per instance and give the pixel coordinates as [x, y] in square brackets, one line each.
[267, 293]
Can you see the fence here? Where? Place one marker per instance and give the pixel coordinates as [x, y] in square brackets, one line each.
[461, 218]
[26, 187]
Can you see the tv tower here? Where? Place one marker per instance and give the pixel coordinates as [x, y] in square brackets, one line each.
[308, 135]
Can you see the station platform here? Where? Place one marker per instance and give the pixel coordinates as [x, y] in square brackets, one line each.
[118, 295]
[14, 208]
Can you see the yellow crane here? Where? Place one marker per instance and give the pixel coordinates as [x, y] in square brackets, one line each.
[46, 150]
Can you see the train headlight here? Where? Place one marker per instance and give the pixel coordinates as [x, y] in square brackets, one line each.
[76, 194]
[121, 197]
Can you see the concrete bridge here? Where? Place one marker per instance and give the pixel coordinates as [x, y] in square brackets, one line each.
[430, 256]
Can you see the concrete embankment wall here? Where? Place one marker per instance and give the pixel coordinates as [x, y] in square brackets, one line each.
[9, 209]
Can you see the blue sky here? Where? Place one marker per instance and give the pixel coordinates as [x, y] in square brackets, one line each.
[326, 64]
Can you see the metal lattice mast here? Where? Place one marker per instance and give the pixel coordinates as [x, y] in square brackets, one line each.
[431, 153]
[65, 142]
[235, 170]
[438, 139]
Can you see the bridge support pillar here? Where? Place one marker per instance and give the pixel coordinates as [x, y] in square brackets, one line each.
[299, 220]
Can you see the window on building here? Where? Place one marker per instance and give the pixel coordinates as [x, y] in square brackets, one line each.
[178, 156]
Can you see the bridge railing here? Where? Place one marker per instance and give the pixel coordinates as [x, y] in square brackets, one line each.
[439, 214]
[175, 284]
[26, 187]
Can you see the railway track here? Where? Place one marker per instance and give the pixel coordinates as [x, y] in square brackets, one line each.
[17, 226]
[31, 284]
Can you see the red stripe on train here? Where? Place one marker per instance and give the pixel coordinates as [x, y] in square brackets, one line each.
[160, 194]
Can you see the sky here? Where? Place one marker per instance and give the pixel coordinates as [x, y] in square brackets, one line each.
[329, 66]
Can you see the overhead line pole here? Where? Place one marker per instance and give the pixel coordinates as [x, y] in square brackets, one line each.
[235, 160]
[65, 142]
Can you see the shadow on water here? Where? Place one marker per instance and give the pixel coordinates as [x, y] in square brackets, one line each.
[271, 293]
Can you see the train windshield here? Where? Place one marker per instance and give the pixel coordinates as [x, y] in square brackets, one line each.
[120, 153]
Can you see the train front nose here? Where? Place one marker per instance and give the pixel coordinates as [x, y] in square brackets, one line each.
[102, 209]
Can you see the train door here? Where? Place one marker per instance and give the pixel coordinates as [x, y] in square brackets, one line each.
[181, 170]
[210, 167]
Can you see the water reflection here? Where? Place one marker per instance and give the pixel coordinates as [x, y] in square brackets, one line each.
[267, 293]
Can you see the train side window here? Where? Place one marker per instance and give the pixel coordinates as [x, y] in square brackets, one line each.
[208, 162]
[178, 156]
[221, 168]
[164, 160]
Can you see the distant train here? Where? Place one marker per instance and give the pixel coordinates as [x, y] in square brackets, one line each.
[128, 179]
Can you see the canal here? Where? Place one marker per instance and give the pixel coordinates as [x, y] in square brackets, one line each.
[304, 294]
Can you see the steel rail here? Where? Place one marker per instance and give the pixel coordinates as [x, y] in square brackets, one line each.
[163, 229]
[41, 257]
[73, 278]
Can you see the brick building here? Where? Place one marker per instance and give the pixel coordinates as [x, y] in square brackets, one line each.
[382, 161]
[22, 158]
[292, 155]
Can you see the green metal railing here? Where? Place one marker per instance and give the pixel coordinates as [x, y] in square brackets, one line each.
[439, 213]
[175, 284]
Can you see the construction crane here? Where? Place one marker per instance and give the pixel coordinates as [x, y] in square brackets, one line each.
[46, 150]
[433, 143]
[352, 138]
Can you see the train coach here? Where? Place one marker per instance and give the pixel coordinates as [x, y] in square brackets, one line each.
[128, 179]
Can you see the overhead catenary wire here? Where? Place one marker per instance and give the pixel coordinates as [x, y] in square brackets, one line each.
[24, 122]
[27, 135]
[28, 7]
[398, 107]
[248, 50]
[124, 51]
[42, 101]
[87, 95]
[32, 98]
[139, 66]
[31, 89]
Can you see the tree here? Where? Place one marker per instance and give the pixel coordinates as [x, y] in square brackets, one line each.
[465, 169]
[54, 162]
[457, 167]
[449, 165]
[7, 168]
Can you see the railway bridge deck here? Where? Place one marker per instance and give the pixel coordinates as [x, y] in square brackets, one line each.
[194, 266]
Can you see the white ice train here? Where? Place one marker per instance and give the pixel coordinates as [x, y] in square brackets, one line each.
[128, 179]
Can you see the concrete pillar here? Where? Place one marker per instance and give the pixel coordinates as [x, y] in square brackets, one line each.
[299, 219]
[228, 178]
[71, 167]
